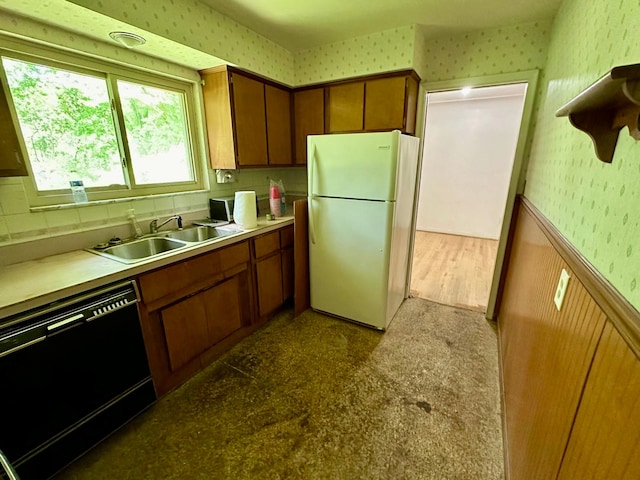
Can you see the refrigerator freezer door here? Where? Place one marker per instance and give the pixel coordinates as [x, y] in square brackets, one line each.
[353, 165]
[349, 261]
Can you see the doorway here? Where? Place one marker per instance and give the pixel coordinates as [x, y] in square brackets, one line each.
[471, 139]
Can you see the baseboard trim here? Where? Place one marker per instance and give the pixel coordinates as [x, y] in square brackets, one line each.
[620, 312]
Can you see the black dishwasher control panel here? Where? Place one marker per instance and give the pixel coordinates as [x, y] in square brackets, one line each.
[31, 327]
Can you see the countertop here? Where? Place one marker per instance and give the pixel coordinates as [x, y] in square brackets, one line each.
[32, 284]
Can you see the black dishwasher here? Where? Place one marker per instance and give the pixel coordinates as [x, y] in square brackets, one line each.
[70, 375]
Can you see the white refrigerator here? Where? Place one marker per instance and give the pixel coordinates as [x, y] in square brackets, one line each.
[361, 189]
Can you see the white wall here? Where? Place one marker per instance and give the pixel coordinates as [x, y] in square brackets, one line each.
[468, 155]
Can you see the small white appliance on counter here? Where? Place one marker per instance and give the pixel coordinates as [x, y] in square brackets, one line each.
[361, 204]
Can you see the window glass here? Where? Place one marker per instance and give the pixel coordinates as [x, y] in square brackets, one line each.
[67, 124]
[157, 135]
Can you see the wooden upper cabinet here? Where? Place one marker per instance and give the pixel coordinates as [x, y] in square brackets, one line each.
[250, 121]
[11, 161]
[308, 112]
[389, 102]
[278, 108]
[386, 102]
[345, 108]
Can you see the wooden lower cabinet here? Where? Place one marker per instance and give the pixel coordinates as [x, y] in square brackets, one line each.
[269, 282]
[195, 310]
[287, 273]
[273, 265]
[199, 322]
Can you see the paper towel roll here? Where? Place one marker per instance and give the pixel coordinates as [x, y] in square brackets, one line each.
[244, 210]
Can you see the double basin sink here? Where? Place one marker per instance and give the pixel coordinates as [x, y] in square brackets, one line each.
[158, 243]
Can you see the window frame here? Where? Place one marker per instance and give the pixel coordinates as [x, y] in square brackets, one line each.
[25, 51]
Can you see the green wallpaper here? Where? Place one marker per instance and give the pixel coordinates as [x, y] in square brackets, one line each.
[36, 31]
[482, 52]
[378, 52]
[200, 27]
[595, 205]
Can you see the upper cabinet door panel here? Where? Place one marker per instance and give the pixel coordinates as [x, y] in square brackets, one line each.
[11, 161]
[278, 107]
[385, 104]
[308, 106]
[346, 107]
[217, 108]
[250, 121]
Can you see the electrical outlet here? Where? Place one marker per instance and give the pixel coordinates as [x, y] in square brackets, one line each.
[558, 298]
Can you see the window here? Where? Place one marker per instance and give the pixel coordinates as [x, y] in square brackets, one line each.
[122, 136]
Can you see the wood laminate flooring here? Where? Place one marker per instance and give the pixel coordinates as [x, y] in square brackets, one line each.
[453, 270]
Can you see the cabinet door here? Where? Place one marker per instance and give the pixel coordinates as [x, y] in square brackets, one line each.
[11, 161]
[346, 107]
[250, 121]
[308, 108]
[223, 310]
[185, 330]
[287, 273]
[269, 281]
[278, 107]
[385, 104]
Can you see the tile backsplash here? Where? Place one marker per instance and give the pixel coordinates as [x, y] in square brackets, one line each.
[19, 225]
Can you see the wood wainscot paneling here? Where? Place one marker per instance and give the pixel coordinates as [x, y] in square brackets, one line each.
[605, 441]
[570, 378]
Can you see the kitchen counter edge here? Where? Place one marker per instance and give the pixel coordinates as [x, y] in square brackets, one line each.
[21, 290]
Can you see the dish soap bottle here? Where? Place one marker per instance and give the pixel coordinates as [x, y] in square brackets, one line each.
[78, 192]
[135, 227]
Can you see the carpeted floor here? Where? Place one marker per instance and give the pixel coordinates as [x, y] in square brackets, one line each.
[313, 397]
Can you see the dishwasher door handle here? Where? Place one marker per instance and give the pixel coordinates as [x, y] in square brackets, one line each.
[8, 469]
[65, 322]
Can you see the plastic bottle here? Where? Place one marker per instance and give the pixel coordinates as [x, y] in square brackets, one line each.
[283, 206]
[135, 227]
[77, 190]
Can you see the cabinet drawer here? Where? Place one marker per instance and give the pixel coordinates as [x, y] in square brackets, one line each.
[266, 244]
[286, 237]
[234, 255]
[170, 283]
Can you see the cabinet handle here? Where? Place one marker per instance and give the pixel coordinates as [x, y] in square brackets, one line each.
[18, 158]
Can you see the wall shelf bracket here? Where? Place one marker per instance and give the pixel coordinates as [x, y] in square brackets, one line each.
[607, 106]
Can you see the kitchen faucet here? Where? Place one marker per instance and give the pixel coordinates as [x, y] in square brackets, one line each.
[154, 227]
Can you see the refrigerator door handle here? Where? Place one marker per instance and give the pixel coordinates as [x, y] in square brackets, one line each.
[312, 229]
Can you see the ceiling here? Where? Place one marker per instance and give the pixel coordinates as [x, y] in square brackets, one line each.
[300, 24]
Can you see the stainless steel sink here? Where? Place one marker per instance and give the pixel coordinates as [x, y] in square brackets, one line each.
[140, 249]
[197, 234]
[162, 242]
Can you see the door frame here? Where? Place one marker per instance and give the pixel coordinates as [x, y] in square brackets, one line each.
[518, 174]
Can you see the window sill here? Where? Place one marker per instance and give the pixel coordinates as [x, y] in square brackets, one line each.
[91, 203]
